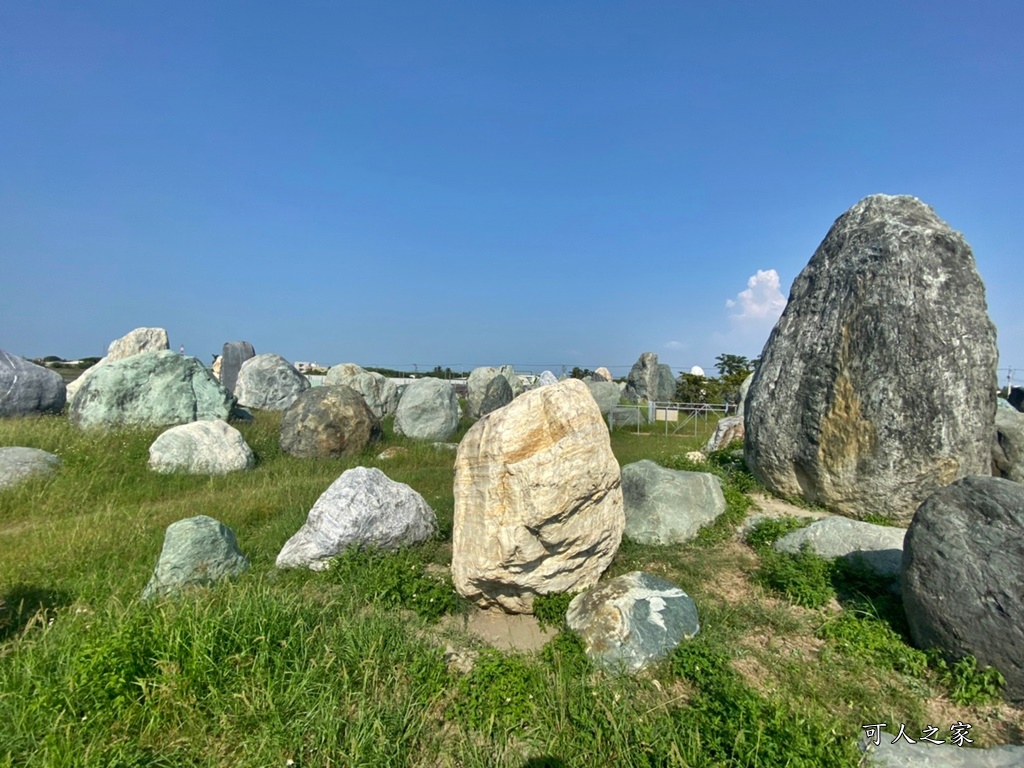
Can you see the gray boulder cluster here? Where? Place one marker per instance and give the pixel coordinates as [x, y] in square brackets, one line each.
[876, 396]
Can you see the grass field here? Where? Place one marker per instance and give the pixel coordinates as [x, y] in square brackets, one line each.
[348, 667]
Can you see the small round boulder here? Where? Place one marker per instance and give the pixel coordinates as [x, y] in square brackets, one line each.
[328, 421]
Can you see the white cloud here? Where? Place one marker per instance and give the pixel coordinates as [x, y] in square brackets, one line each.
[761, 303]
[675, 345]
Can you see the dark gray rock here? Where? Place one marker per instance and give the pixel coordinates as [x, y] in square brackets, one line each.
[509, 372]
[27, 388]
[498, 395]
[17, 464]
[269, 382]
[232, 356]
[606, 393]
[877, 385]
[963, 575]
[666, 386]
[879, 547]
[1015, 397]
[197, 551]
[151, 389]
[668, 506]
[1008, 447]
[476, 388]
[924, 754]
[642, 381]
[428, 410]
[633, 620]
[362, 507]
[201, 448]
[328, 421]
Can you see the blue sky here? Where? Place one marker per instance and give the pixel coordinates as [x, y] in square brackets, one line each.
[478, 183]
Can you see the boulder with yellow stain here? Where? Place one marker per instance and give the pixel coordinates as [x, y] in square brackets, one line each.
[538, 500]
[877, 385]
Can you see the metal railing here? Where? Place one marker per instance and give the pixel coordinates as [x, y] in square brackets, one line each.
[678, 414]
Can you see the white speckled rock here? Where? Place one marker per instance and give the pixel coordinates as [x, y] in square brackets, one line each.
[269, 382]
[632, 620]
[198, 550]
[538, 504]
[201, 448]
[546, 379]
[364, 507]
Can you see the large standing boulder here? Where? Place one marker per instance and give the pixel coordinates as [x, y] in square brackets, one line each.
[197, 551]
[379, 392]
[27, 388]
[233, 354]
[538, 502]
[201, 448]
[630, 621]
[363, 507]
[17, 464]
[642, 381]
[132, 343]
[668, 506]
[151, 389]
[963, 575]
[428, 410]
[602, 374]
[1008, 447]
[269, 382]
[328, 421]
[476, 388]
[514, 382]
[877, 385]
[498, 395]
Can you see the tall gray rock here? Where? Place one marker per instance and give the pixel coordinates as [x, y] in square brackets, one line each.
[428, 410]
[877, 385]
[1008, 447]
[509, 372]
[498, 395]
[150, 389]
[27, 388]
[642, 381]
[476, 387]
[963, 575]
[232, 356]
[268, 382]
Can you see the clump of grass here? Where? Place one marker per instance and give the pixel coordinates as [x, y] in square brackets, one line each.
[768, 530]
[968, 683]
[736, 725]
[502, 690]
[550, 609]
[803, 578]
[396, 580]
[861, 633]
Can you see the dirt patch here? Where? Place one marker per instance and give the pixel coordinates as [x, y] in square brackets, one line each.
[773, 507]
[992, 724]
[519, 632]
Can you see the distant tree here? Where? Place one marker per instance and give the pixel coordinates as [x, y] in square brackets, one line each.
[732, 370]
[580, 373]
[693, 388]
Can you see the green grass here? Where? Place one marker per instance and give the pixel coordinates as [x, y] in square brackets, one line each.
[347, 666]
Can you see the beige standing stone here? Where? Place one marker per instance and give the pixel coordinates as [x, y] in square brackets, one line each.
[603, 373]
[538, 500]
[217, 363]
